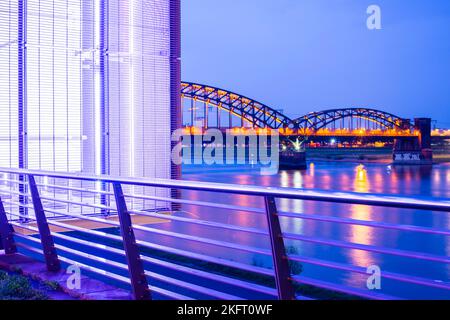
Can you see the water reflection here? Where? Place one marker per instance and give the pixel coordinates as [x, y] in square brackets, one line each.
[312, 168]
[361, 182]
[376, 178]
[298, 179]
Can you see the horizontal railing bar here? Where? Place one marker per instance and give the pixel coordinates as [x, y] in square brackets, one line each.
[161, 291]
[192, 287]
[13, 203]
[212, 242]
[14, 181]
[342, 289]
[202, 257]
[107, 274]
[385, 274]
[178, 235]
[163, 199]
[199, 203]
[374, 224]
[153, 275]
[74, 189]
[168, 265]
[22, 245]
[364, 247]
[17, 193]
[59, 213]
[76, 240]
[211, 276]
[111, 263]
[289, 193]
[84, 230]
[376, 249]
[333, 265]
[101, 260]
[84, 217]
[170, 294]
[104, 273]
[72, 227]
[200, 222]
[179, 268]
[78, 253]
[314, 195]
[232, 264]
[81, 204]
[171, 234]
[199, 273]
[303, 238]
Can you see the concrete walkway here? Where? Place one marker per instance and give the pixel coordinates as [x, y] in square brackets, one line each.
[90, 289]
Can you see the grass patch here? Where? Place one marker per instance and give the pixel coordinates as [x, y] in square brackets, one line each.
[17, 287]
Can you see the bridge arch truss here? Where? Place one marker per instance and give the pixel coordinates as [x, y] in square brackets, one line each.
[318, 120]
[254, 114]
[251, 112]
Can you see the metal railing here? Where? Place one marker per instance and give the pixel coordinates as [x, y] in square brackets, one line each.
[67, 218]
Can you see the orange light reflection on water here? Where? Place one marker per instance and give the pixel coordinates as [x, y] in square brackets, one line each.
[361, 182]
[312, 168]
[360, 234]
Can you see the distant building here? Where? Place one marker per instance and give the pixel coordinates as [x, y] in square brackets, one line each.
[89, 85]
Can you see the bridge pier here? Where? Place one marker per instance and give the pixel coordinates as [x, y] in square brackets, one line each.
[415, 150]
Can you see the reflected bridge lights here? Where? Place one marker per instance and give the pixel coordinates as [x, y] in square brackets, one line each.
[361, 173]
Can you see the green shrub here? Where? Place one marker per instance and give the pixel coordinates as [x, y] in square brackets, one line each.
[16, 287]
[3, 275]
[52, 285]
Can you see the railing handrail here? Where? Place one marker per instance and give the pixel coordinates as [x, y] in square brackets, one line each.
[422, 203]
[57, 252]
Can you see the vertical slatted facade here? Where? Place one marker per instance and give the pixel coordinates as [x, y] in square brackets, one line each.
[100, 89]
[9, 131]
[53, 81]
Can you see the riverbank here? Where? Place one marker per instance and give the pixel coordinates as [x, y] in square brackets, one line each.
[14, 286]
[366, 155]
[27, 278]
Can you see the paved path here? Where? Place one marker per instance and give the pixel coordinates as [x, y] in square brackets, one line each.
[91, 289]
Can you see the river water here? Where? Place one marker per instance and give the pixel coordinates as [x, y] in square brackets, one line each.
[380, 178]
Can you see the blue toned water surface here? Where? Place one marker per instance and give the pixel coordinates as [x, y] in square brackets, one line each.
[412, 181]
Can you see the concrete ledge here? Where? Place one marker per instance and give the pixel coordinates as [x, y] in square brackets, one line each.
[91, 289]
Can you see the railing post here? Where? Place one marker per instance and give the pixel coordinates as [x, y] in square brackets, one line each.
[48, 245]
[23, 200]
[139, 282]
[280, 262]
[6, 232]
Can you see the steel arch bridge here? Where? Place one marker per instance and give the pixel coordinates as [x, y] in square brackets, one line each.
[318, 120]
[259, 115]
[256, 114]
